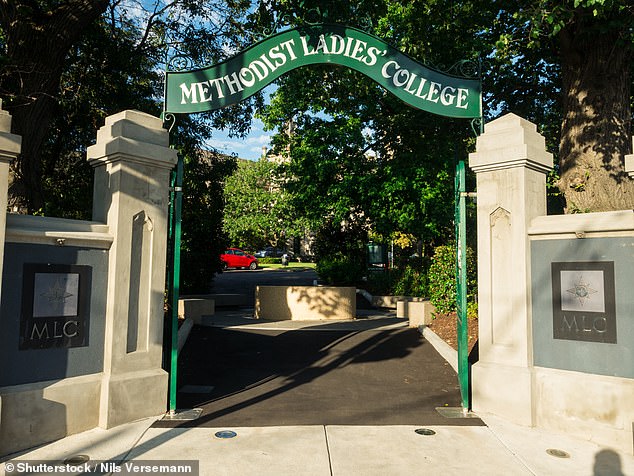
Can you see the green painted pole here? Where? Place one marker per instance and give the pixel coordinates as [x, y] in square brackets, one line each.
[176, 255]
[461, 281]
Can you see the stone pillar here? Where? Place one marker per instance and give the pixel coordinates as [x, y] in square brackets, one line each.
[132, 162]
[511, 164]
[10, 146]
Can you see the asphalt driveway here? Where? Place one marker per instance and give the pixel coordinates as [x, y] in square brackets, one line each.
[244, 282]
[246, 377]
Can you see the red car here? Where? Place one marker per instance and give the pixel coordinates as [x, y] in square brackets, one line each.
[236, 258]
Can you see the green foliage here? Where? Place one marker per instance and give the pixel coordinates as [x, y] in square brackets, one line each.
[333, 240]
[64, 68]
[442, 279]
[341, 270]
[258, 211]
[379, 282]
[115, 63]
[472, 309]
[202, 238]
[407, 189]
[339, 116]
[340, 252]
[407, 281]
[545, 53]
[412, 282]
[541, 21]
[327, 173]
[105, 75]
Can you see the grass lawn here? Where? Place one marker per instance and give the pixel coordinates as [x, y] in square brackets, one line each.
[293, 265]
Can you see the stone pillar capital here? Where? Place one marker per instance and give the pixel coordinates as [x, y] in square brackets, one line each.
[508, 142]
[133, 137]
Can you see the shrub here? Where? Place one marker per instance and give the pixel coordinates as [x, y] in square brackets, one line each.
[442, 279]
[472, 309]
[412, 282]
[340, 270]
[380, 282]
[408, 281]
[269, 260]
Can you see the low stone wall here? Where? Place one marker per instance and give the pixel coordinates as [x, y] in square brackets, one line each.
[41, 412]
[419, 313]
[390, 302]
[307, 303]
[583, 372]
[599, 408]
[196, 308]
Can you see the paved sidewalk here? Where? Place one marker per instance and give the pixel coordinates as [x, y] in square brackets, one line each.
[499, 448]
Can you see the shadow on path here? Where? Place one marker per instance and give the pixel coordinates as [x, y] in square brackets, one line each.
[308, 377]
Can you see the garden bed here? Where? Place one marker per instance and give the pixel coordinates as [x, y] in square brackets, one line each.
[444, 326]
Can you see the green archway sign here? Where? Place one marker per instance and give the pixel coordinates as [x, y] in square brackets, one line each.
[229, 82]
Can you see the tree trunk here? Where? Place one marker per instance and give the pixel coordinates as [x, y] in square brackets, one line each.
[37, 44]
[596, 130]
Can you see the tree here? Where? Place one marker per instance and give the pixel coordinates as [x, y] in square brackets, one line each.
[257, 208]
[115, 64]
[105, 75]
[37, 38]
[41, 41]
[340, 116]
[592, 42]
[203, 238]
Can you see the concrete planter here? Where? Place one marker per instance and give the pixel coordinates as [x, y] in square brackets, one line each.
[307, 303]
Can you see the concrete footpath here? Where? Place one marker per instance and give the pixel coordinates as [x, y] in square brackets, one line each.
[499, 448]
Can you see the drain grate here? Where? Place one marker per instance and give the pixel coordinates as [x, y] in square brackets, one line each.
[557, 453]
[425, 431]
[77, 460]
[224, 434]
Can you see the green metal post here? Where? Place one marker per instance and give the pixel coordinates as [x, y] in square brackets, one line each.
[176, 256]
[461, 280]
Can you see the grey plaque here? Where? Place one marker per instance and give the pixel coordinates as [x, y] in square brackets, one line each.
[583, 301]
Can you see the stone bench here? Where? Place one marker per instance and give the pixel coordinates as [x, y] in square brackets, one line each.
[307, 303]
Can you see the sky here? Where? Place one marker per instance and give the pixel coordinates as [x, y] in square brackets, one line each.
[249, 148]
